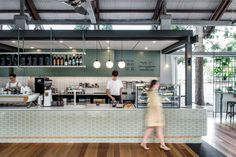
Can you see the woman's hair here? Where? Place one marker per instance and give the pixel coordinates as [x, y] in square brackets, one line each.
[152, 83]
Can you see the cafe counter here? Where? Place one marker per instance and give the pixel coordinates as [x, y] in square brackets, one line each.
[91, 123]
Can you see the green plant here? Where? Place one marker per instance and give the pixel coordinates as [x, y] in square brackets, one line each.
[217, 70]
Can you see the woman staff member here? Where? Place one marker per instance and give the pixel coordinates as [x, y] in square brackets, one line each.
[154, 117]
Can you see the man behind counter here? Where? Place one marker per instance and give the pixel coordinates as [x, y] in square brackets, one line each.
[114, 88]
[12, 82]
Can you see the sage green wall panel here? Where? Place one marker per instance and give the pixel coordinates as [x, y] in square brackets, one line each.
[145, 63]
[139, 63]
[4, 72]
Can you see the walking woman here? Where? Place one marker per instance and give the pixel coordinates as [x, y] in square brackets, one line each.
[154, 117]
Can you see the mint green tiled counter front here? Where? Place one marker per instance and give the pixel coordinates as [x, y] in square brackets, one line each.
[182, 125]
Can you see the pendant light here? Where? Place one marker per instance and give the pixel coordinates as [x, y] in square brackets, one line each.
[166, 64]
[121, 63]
[96, 63]
[109, 63]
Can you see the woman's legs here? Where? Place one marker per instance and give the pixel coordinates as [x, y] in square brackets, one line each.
[159, 132]
[147, 133]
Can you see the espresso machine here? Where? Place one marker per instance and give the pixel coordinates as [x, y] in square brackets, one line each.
[43, 86]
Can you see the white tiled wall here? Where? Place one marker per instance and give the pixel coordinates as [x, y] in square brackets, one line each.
[62, 82]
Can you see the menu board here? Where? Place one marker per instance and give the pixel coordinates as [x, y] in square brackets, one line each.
[139, 63]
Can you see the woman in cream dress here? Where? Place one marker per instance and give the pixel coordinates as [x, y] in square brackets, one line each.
[154, 116]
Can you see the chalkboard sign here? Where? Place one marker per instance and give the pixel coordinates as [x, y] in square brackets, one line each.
[143, 63]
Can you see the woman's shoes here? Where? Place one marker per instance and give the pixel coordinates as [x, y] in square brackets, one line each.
[164, 147]
[144, 146]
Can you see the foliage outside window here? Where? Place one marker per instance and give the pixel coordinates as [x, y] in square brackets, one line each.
[225, 74]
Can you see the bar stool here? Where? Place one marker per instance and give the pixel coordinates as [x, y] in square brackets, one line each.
[230, 110]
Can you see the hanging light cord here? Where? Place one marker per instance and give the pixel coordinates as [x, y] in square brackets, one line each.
[96, 51]
[122, 50]
[109, 52]
[165, 58]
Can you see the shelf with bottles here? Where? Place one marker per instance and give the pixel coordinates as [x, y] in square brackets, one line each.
[68, 60]
[8, 59]
[42, 59]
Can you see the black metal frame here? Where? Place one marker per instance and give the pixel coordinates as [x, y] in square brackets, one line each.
[182, 37]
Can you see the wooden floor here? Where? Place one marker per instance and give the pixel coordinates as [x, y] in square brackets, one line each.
[92, 150]
[222, 137]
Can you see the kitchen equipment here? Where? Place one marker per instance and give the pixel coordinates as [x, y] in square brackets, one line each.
[40, 100]
[44, 86]
[27, 91]
[64, 101]
[47, 100]
[114, 103]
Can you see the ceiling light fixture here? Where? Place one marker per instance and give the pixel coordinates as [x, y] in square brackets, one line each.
[107, 41]
[121, 63]
[96, 63]
[13, 41]
[38, 50]
[154, 42]
[146, 48]
[71, 47]
[60, 41]
[32, 47]
[166, 64]
[109, 63]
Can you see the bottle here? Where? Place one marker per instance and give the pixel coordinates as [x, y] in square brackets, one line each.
[66, 61]
[62, 61]
[28, 60]
[2, 60]
[47, 60]
[22, 60]
[77, 60]
[34, 60]
[41, 60]
[58, 60]
[8, 60]
[15, 60]
[73, 61]
[70, 61]
[80, 60]
[54, 60]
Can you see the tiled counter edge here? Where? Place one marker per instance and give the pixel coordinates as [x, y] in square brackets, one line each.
[90, 125]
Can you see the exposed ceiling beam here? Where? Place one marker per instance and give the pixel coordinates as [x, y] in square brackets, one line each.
[4, 47]
[218, 13]
[178, 45]
[32, 9]
[97, 34]
[123, 22]
[157, 11]
[88, 6]
[123, 11]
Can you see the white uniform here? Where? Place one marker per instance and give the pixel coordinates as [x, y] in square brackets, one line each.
[114, 87]
[13, 85]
